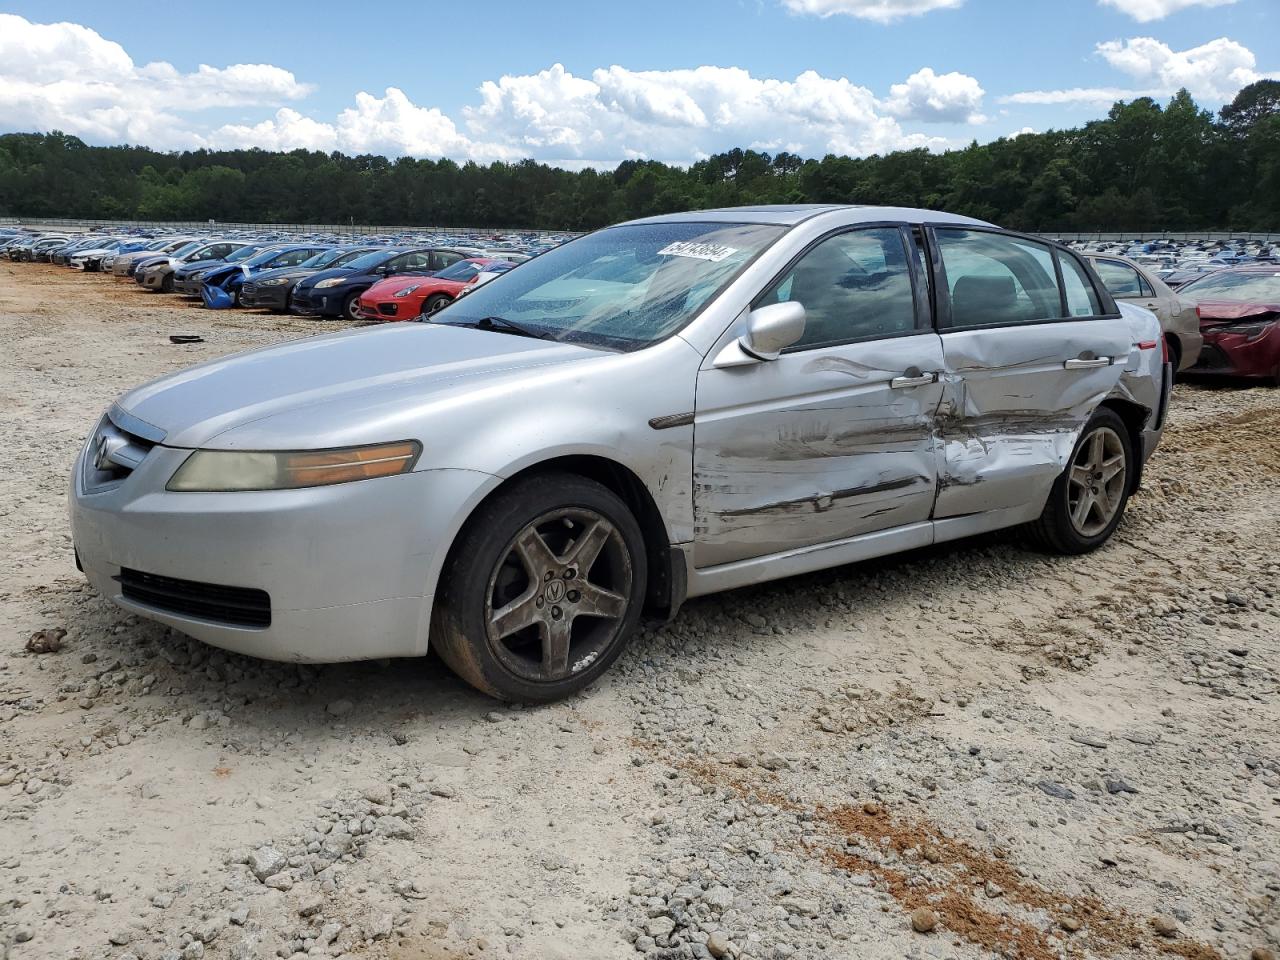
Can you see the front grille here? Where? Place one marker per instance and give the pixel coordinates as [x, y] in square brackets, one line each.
[113, 454]
[240, 606]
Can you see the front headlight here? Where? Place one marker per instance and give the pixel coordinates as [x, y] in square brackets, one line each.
[233, 470]
[273, 282]
[331, 282]
[406, 291]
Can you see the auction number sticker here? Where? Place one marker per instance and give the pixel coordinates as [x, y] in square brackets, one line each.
[714, 252]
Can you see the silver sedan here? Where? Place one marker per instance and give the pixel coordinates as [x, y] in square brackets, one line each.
[1130, 282]
[655, 411]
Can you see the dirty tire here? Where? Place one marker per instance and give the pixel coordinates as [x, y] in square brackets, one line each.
[436, 302]
[1055, 531]
[465, 601]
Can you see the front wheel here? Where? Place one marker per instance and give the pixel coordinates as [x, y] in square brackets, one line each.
[166, 285]
[1088, 500]
[351, 308]
[542, 591]
[437, 302]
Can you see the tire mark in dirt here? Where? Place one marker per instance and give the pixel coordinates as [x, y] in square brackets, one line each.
[941, 873]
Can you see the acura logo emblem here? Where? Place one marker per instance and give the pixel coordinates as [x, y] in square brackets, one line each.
[103, 447]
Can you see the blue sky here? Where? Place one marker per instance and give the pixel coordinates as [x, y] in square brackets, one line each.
[577, 83]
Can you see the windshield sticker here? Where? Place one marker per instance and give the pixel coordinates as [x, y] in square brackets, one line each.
[714, 252]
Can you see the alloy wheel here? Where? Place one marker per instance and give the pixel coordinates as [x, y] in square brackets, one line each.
[557, 599]
[1095, 491]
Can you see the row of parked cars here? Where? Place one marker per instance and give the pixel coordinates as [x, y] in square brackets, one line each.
[1218, 302]
[381, 278]
[1222, 319]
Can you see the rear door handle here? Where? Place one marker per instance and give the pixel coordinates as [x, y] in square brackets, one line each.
[1079, 363]
[913, 378]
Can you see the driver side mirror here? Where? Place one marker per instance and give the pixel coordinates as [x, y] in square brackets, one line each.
[769, 331]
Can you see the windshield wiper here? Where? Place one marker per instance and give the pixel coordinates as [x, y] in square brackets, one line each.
[503, 325]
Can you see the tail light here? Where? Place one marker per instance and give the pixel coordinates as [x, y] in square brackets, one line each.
[1164, 349]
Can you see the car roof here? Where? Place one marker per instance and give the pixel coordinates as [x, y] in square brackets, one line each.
[788, 215]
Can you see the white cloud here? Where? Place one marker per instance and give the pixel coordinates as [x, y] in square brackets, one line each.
[67, 76]
[1212, 72]
[937, 98]
[680, 114]
[881, 11]
[1144, 11]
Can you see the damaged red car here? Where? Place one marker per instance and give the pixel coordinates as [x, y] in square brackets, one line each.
[1239, 313]
[405, 297]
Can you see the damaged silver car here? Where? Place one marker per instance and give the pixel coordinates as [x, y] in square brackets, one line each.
[655, 411]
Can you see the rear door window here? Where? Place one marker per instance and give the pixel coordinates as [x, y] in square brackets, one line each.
[1082, 298]
[995, 279]
[1120, 279]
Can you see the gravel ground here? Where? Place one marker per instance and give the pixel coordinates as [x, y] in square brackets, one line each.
[965, 752]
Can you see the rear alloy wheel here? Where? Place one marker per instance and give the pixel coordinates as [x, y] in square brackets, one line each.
[542, 591]
[1089, 498]
[437, 302]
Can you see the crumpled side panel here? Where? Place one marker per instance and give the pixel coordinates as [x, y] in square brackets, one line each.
[1011, 412]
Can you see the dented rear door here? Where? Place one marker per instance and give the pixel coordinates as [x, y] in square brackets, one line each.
[834, 438]
[1031, 348]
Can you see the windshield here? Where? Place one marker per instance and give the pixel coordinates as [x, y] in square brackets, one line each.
[462, 270]
[622, 288]
[1235, 286]
[235, 256]
[258, 259]
[350, 256]
[369, 260]
[321, 258]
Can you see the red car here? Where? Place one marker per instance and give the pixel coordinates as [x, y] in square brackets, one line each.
[1239, 312]
[403, 298]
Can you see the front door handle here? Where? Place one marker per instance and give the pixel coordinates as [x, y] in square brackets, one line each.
[1083, 363]
[913, 378]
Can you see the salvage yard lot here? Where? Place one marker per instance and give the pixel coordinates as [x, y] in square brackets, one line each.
[1012, 753]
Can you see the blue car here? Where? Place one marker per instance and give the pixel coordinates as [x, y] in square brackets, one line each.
[231, 276]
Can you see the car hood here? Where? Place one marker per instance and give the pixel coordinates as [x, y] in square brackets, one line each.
[290, 273]
[313, 278]
[360, 386]
[1235, 309]
[392, 285]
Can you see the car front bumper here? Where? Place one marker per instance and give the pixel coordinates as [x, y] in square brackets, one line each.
[318, 303]
[1236, 355]
[188, 286]
[349, 569]
[272, 297]
[154, 279]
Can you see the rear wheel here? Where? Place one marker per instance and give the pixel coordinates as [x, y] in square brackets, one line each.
[1088, 500]
[436, 302]
[542, 591]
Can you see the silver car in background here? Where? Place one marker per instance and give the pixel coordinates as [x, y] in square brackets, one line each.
[1130, 282]
[655, 411]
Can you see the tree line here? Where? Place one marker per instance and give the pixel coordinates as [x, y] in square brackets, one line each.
[1146, 166]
